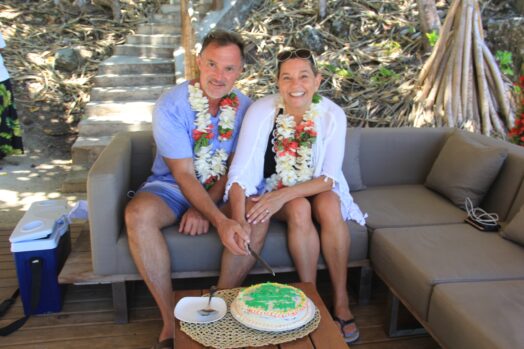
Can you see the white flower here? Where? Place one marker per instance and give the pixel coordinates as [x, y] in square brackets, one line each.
[297, 168]
[272, 183]
[209, 164]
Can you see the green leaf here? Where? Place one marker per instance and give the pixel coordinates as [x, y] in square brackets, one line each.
[432, 37]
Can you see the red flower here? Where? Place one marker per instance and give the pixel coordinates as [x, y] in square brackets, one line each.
[198, 134]
[230, 100]
[228, 134]
[516, 134]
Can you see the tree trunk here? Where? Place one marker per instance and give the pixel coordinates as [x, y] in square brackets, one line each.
[460, 83]
[188, 41]
[429, 20]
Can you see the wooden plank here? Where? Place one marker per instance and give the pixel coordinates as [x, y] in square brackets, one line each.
[327, 335]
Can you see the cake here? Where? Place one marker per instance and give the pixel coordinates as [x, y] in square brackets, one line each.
[272, 307]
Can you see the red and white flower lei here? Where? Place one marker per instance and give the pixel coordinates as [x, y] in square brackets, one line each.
[292, 145]
[209, 165]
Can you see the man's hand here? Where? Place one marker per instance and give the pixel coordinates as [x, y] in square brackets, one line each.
[234, 236]
[193, 223]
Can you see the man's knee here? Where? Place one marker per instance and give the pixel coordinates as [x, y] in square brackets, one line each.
[147, 210]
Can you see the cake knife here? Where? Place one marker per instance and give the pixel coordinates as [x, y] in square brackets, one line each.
[262, 261]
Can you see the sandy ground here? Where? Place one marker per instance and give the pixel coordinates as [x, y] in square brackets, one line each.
[36, 175]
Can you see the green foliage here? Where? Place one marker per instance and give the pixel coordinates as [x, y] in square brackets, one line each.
[341, 72]
[505, 59]
[384, 75]
[432, 37]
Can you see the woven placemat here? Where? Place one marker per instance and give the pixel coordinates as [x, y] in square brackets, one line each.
[229, 333]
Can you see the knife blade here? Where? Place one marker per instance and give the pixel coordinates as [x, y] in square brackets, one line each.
[260, 259]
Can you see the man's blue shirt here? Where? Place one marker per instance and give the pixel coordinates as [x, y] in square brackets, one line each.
[173, 125]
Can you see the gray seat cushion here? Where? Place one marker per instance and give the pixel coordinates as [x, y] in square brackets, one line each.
[202, 253]
[480, 315]
[412, 260]
[406, 205]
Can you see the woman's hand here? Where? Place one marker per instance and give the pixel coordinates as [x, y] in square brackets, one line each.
[266, 205]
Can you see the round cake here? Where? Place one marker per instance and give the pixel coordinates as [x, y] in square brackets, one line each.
[272, 307]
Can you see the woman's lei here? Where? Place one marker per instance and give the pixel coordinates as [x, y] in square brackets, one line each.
[209, 165]
[292, 145]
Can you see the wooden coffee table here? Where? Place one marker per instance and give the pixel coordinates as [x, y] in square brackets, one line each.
[327, 335]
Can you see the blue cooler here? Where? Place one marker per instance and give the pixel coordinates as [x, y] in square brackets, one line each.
[40, 243]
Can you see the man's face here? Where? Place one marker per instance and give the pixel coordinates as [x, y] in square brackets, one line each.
[220, 67]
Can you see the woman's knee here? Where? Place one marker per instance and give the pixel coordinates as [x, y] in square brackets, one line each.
[326, 208]
[298, 216]
[298, 210]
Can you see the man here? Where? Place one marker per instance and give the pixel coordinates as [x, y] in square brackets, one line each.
[195, 126]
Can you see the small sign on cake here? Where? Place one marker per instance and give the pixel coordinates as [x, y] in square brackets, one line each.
[272, 307]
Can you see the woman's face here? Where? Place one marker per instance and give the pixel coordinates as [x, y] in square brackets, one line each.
[297, 84]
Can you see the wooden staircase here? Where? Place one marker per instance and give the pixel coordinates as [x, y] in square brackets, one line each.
[128, 84]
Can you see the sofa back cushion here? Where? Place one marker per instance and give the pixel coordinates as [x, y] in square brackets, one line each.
[504, 196]
[514, 231]
[465, 168]
[392, 156]
[351, 164]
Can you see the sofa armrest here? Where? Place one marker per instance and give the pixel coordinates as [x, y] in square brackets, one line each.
[107, 186]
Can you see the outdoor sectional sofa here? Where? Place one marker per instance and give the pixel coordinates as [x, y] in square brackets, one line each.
[465, 286]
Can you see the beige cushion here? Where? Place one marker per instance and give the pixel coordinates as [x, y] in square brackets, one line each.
[465, 168]
[514, 231]
[479, 315]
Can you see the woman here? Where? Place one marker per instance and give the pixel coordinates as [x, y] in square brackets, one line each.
[289, 158]
[10, 131]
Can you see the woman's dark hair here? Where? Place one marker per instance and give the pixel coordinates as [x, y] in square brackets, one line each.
[223, 37]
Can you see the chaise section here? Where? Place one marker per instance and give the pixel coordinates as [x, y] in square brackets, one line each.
[412, 260]
[480, 315]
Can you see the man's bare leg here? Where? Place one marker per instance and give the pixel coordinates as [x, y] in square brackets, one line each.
[234, 269]
[145, 215]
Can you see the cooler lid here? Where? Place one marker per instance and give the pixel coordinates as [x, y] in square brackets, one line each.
[38, 222]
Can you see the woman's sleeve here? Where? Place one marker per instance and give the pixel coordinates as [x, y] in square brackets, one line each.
[335, 140]
[246, 168]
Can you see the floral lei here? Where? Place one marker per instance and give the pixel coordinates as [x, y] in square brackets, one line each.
[209, 165]
[292, 145]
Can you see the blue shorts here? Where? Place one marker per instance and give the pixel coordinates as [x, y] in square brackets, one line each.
[170, 193]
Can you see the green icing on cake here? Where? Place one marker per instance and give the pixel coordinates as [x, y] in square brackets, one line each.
[282, 298]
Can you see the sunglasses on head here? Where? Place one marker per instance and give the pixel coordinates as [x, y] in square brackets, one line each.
[302, 53]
